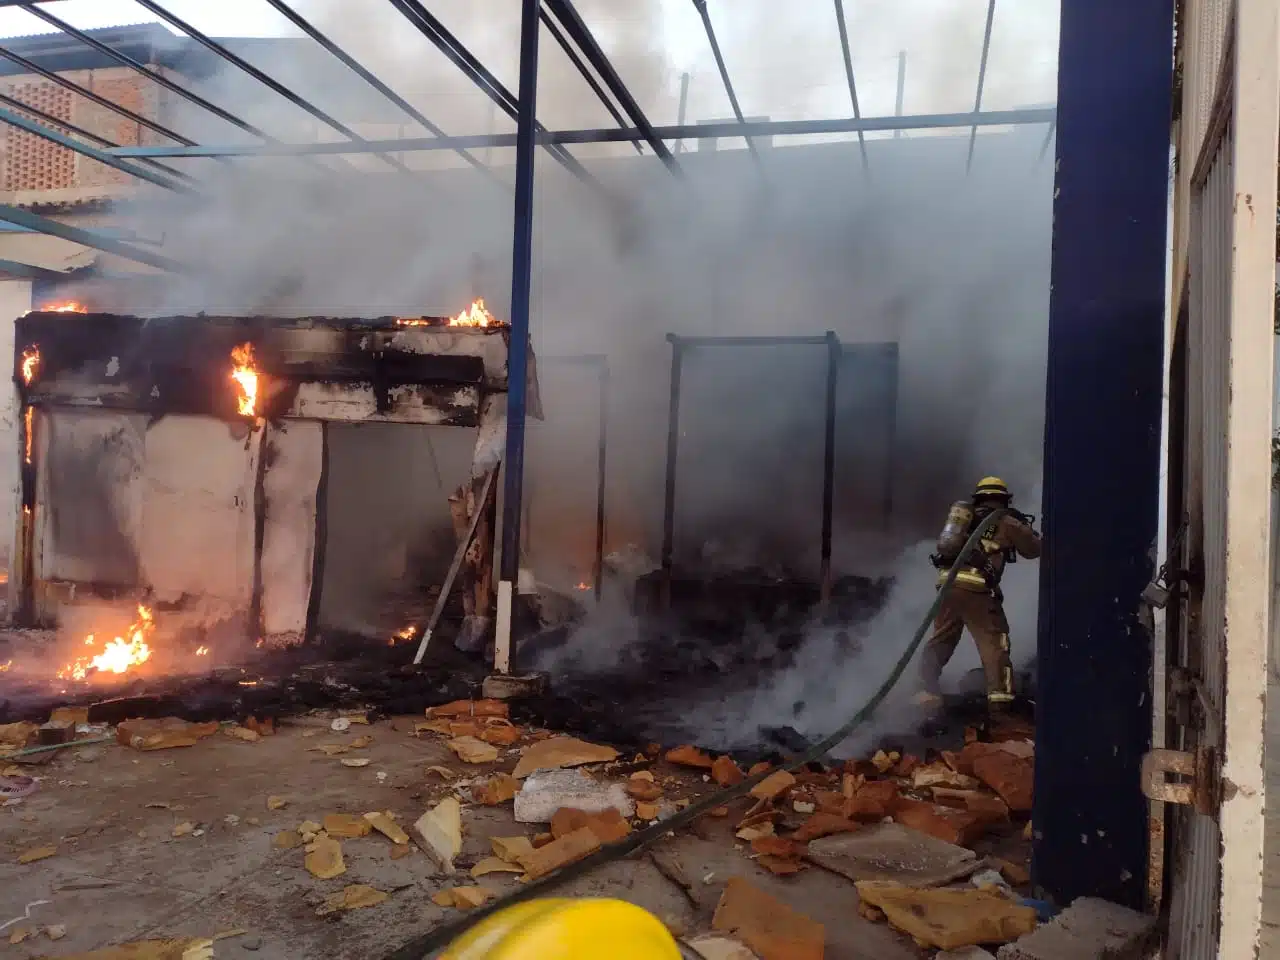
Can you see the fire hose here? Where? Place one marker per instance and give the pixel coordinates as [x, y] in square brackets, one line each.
[439, 937]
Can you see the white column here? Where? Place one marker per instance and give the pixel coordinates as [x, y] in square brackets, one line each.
[15, 300]
[295, 458]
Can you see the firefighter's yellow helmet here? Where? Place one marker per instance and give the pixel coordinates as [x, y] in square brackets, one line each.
[586, 929]
[992, 487]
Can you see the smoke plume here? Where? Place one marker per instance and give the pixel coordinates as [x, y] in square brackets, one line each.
[950, 266]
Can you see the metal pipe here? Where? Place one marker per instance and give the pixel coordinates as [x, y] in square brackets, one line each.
[982, 79]
[673, 452]
[465, 60]
[216, 48]
[518, 354]
[829, 466]
[559, 37]
[93, 153]
[682, 111]
[87, 238]
[87, 134]
[32, 67]
[902, 89]
[578, 30]
[746, 341]
[146, 71]
[707, 131]
[356, 67]
[701, 6]
[853, 87]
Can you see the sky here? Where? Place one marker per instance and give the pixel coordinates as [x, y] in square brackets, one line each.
[786, 64]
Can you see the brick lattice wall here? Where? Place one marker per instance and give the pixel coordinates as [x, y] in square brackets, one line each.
[33, 163]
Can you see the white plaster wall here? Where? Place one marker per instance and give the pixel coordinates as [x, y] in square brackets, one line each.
[15, 300]
[295, 456]
[90, 496]
[197, 510]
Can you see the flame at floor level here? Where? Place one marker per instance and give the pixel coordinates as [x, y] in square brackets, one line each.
[119, 654]
[246, 378]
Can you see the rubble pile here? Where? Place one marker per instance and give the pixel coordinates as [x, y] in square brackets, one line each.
[931, 845]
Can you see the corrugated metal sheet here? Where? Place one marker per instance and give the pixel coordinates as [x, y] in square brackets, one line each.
[1227, 199]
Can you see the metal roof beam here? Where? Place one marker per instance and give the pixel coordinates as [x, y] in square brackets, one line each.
[30, 271]
[368, 77]
[574, 26]
[724, 70]
[93, 153]
[558, 35]
[144, 70]
[853, 86]
[982, 79]
[214, 47]
[465, 60]
[707, 131]
[87, 134]
[87, 238]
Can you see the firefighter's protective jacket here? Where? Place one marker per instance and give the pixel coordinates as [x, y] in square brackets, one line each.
[984, 567]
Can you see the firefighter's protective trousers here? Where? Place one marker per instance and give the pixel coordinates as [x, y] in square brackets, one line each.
[982, 612]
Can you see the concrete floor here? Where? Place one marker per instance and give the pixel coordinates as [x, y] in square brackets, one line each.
[119, 874]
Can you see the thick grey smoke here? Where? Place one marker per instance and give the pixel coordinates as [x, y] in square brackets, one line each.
[953, 268]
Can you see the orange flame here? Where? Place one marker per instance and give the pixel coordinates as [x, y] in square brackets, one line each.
[246, 378]
[202, 651]
[405, 634]
[476, 315]
[5, 666]
[30, 363]
[28, 440]
[65, 306]
[119, 654]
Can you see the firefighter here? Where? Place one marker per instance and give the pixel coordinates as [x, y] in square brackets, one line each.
[975, 600]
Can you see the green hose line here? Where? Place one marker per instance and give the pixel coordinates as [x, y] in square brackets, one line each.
[440, 937]
[57, 746]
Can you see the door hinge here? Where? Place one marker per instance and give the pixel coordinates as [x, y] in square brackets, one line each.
[1199, 784]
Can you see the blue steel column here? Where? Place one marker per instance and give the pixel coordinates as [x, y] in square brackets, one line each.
[1102, 447]
[518, 353]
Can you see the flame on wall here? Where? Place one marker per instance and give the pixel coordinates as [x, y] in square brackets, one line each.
[30, 363]
[63, 306]
[119, 654]
[28, 440]
[245, 376]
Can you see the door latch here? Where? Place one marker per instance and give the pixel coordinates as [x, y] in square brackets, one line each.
[1198, 785]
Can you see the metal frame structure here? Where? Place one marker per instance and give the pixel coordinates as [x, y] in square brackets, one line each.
[601, 364]
[575, 37]
[679, 346]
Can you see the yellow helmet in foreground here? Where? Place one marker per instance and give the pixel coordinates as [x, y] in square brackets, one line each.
[566, 930]
[992, 487]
